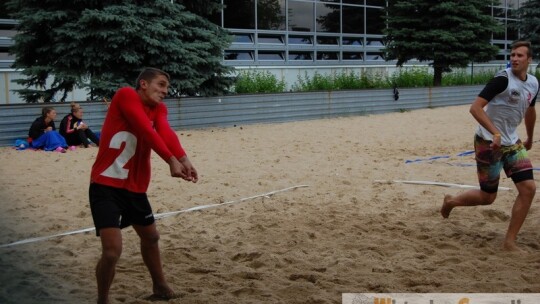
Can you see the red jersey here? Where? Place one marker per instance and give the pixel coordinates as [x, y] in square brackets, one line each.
[130, 131]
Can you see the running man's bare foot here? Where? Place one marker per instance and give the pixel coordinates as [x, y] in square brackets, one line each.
[512, 246]
[446, 206]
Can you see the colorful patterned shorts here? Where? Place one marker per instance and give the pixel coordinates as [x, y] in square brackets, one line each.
[514, 159]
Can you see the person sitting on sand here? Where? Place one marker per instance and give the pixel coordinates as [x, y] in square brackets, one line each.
[43, 134]
[74, 130]
[508, 99]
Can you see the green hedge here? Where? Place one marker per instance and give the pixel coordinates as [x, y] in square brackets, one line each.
[265, 82]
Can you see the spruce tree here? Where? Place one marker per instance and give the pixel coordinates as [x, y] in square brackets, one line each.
[529, 24]
[102, 45]
[445, 33]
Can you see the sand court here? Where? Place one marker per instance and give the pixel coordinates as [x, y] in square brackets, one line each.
[346, 231]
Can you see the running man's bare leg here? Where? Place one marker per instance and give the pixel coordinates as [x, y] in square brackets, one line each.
[111, 243]
[468, 198]
[526, 191]
[152, 259]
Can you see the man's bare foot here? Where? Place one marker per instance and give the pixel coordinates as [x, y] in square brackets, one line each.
[446, 206]
[163, 293]
[512, 247]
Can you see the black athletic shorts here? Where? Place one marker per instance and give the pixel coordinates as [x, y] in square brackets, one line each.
[116, 207]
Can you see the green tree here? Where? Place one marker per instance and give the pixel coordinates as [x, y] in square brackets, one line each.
[101, 45]
[3, 10]
[529, 24]
[446, 33]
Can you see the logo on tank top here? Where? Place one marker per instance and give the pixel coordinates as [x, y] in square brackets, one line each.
[514, 96]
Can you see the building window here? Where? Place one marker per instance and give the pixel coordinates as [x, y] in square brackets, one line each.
[353, 41]
[242, 38]
[352, 56]
[353, 19]
[375, 21]
[270, 39]
[271, 15]
[512, 33]
[271, 55]
[239, 14]
[327, 56]
[374, 56]
[381, 3]
[324, 40]
[301, 16]
[300, 39]
[328, 18]
[239, 55]
[296, 56]
[374, 42]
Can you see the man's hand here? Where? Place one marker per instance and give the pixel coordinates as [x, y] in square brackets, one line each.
[528, 144]
[189, 171]
[496, 143]
[177, 169]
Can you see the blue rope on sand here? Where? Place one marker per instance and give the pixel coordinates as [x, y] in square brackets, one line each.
[426, 159]
[461, 154]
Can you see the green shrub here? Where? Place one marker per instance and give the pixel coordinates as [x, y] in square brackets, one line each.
[258, 82]
[412, 78]
[265, 82]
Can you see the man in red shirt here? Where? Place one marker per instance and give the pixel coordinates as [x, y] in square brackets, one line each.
[136, 123]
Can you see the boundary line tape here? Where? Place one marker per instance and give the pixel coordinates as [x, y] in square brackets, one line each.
[156, 216]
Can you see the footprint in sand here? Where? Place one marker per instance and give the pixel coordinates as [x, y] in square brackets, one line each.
[490, 213]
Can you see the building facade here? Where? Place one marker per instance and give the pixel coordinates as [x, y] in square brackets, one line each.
[292, 38]
[324, 32]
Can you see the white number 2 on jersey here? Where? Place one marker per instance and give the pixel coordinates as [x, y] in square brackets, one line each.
[116, 169]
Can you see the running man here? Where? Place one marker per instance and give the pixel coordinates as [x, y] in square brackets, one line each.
[508, 98]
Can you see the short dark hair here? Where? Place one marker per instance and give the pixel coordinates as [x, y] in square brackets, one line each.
[148, 74]
[526, 44]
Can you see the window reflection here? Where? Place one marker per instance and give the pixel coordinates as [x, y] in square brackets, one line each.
[328, 17]
[512, 32]
[270, 39]
[271, 55]
[327, 55]
[374, 42]
[294, 55]
[327, 40]
[513, 3]
[271, 15]
[352, 41]
[381, 3]
[243, 38]
[374, 56]
[301, 16]
[298, 39]
[239, 55]
[375, 21]
[239, 14]
[353, 19]
[352, 56]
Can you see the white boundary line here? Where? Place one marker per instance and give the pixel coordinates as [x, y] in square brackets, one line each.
[450, 185]
[156, 216]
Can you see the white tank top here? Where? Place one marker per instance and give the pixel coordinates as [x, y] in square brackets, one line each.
[507, 109]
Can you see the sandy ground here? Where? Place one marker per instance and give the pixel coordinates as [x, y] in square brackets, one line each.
[346, 232]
